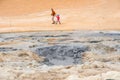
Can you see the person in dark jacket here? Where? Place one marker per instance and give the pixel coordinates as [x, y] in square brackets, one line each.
[53, 15]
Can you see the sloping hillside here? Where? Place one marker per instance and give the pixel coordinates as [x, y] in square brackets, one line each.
[34, 15]
[18, 7]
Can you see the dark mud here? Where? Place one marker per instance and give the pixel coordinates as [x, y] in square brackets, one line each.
[62, 47]
[62, 54]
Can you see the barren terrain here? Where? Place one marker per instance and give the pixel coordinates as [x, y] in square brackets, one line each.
[60, 55]
[34, 15]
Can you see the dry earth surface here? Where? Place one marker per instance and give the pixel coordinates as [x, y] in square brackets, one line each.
[60, 55]
[34, 15]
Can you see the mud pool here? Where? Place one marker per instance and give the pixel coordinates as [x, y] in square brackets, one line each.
[62, 47]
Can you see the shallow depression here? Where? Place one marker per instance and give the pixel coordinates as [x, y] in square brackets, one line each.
[62, 54]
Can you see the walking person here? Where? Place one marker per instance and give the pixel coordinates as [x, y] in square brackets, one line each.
[58, 19]
[53, 15]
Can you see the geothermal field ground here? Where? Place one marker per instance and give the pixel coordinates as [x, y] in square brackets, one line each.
[85, 46]
[60, 55]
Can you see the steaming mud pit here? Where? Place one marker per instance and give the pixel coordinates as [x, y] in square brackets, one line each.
[61, 55]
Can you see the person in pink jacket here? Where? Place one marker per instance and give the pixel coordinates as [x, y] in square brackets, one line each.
[58, 19]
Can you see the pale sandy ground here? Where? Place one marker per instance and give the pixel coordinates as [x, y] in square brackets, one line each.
[34, 15]
[19, 61]
[24, 65]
